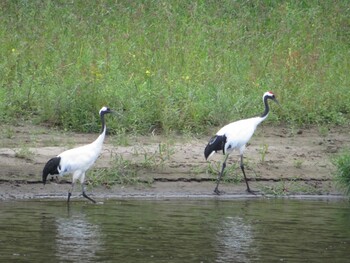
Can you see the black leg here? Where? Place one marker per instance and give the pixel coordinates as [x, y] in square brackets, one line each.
[85, 195]
[92, 200]
[216, 190]
[69, 194]
[245, 177]
[70, 191]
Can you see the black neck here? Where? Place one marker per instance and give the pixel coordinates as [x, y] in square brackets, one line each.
[103, 122]
[267, 109]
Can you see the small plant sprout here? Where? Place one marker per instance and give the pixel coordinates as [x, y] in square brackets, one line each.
[263, 151]
[213, 169]
[24, 153]
[324, 131]
[298, 163]
[9, 133]
[154, 158]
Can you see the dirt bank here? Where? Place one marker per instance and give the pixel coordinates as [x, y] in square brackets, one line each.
[279, 160]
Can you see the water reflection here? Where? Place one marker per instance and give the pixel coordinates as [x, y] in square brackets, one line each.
[233, 240]
[175, 231]
[76, 238]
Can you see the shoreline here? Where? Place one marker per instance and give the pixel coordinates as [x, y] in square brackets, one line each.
[280, 162]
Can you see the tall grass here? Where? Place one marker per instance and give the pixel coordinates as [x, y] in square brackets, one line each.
[173, 65]
[342, 174]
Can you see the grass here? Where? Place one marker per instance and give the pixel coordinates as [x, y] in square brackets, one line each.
[169, 66]
[154, 159]
[232, 172]
[342, 174]
[121, 172]
[289, 187]
[264, 149]
[298, 163]
[9, 133]
[24, 153]
[108, 178]
[126, 172]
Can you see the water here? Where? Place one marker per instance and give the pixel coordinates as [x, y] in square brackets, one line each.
[175, 231]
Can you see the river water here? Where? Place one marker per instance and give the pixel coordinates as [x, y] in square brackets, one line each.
[175, 230]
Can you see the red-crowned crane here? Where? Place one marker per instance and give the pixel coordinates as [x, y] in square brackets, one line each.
[235, 136]
[78, 160]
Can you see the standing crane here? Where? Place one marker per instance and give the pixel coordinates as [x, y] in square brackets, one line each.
[78, 160]
[234, 136]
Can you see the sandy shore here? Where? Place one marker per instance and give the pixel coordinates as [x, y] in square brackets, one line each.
[279, 161]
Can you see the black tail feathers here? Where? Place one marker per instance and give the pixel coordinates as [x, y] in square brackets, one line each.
[51, 168]
[216, 143]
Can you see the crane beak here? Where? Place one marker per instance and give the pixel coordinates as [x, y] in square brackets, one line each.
[119, 112]
[116, 113]
[275, 100]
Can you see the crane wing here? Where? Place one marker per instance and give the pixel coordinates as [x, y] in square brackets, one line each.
[80, 158]
[216, 143]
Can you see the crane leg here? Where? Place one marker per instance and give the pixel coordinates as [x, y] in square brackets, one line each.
[70, 191]
[85, 195]
[245, 177]
[216, 190]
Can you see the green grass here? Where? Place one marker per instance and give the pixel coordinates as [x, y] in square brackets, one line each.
[121, 172]
[232, 172]
[342, 174]
[24, 153]
[289, 187]
[173, 65]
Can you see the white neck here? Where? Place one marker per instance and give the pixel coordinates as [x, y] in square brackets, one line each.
[258, 120]
[99, 141]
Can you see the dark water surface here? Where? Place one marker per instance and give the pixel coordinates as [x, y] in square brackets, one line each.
[263, 230]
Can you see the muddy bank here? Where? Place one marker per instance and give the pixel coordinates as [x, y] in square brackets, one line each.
[279, 161]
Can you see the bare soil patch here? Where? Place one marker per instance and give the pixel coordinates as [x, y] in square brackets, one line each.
[295, 162]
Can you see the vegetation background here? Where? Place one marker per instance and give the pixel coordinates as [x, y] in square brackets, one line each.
[173, 66]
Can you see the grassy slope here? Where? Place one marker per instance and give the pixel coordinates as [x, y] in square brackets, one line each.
[173, 65]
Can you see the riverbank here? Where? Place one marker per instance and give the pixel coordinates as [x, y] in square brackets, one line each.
[280, 161]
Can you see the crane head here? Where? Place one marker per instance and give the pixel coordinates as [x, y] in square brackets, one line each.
[51, 167]
[270, 95]
[105, 110]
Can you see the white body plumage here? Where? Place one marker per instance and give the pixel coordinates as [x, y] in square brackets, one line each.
[80, 159]
[238, 133]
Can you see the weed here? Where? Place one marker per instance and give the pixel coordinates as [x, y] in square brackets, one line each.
[155, 159]
[342, 174]
[165, 151]
[323, 130]
[298, 163]
[198, 170]
[263, 151]
[289, 187]
[9, 133]
[230, 175]
[24, 153]
[121, 138]
[276, 189]
[121, 172]
[125, 172]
